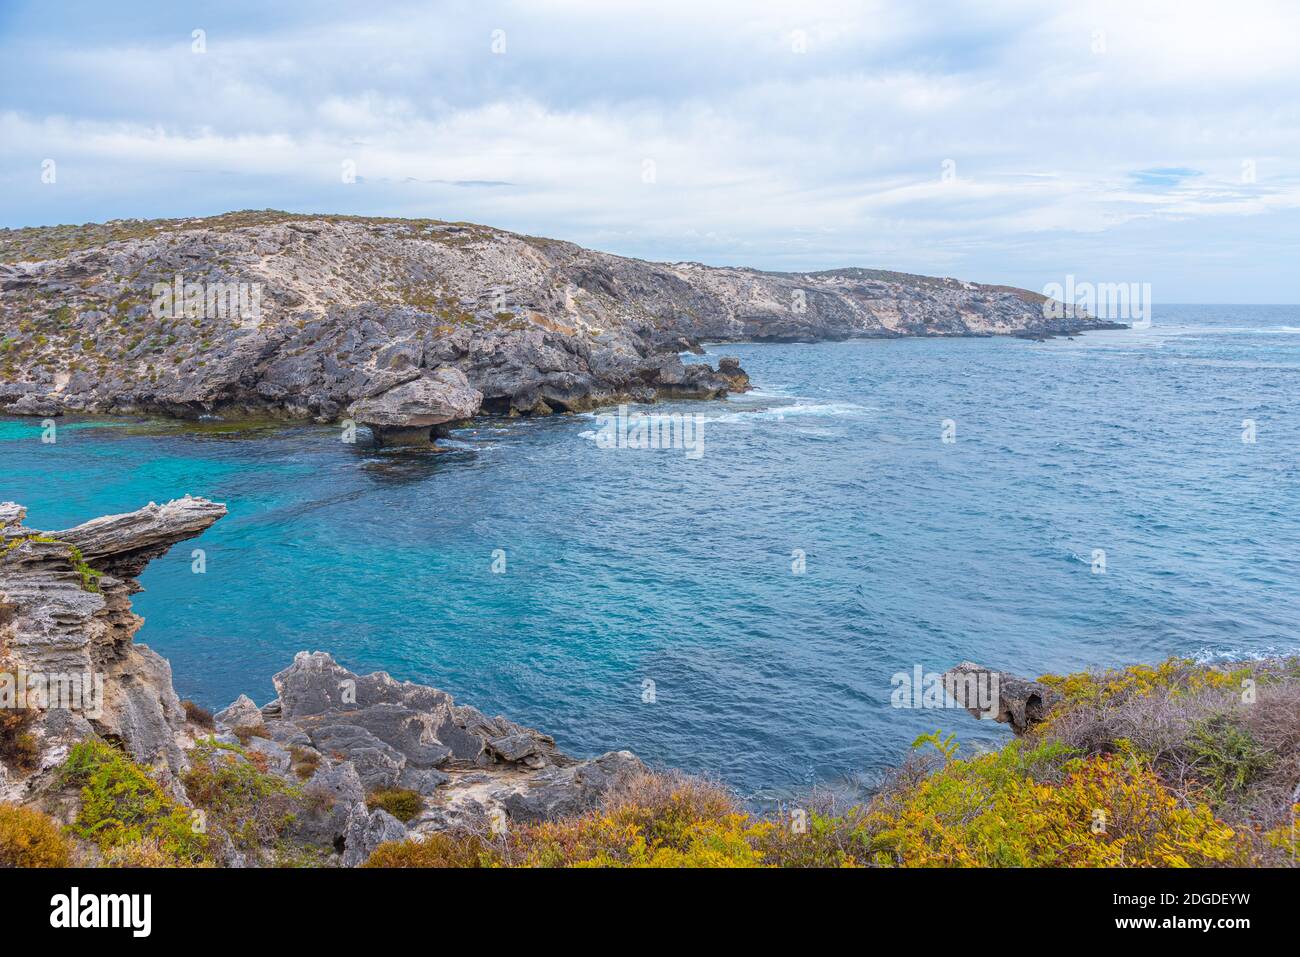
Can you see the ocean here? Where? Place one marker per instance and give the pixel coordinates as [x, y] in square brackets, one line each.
[741, 610]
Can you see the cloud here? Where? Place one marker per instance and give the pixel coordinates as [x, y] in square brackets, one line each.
[1010, 142]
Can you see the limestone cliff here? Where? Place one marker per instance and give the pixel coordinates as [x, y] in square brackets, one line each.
[66, 623]
[302, 316]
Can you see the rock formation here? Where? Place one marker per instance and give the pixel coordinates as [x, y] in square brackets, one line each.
[367, 733]
[406, 413]
[65, 612]
[303, 316]
[65, 619]
[1022, 703]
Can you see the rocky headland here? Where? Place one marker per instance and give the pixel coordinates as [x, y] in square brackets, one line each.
[409, 325]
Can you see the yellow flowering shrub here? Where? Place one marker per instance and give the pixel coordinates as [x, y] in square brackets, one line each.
[1175, 675]
[1106, 811]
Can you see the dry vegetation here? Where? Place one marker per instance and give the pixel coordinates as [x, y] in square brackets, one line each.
[1168, 766]
[1176, 765]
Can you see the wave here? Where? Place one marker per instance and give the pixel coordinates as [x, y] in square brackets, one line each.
[1180, 331]
[1209, 656]
[818, 410]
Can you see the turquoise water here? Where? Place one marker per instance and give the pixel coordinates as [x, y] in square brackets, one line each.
[628, 565]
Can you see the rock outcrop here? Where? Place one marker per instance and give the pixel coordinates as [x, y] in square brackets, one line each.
[407, 413]
[303, 316]
[369, 733]
[336, 736]
[66, 628]
[1021, 702]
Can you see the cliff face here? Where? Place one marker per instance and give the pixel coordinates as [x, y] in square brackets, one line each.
[66, 627]
[302, 316]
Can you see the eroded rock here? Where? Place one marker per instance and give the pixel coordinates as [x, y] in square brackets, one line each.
[407, 413]
[1021, 702]
[65, 613]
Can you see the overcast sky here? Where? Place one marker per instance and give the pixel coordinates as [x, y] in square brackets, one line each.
[1009, 142]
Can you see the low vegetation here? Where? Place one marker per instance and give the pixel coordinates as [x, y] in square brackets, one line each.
[18, 747]
[126, 814]
[402, 803]
[199, 715]
[240, 798]
[1176, 765]
[29, 838]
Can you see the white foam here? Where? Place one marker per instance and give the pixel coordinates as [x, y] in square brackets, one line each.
[1208, 656]
[818, 410]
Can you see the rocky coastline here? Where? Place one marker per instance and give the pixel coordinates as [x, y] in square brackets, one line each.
[408, 326]
[329, 741]
[102, 765]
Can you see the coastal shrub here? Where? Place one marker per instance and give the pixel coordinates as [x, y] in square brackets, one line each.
[305, 761]
[251, 806]
[122, 805]
[1175, 676]
[820, 836]
[1226, 756]
[402, 803]
[196, 714]
[990, 811]
[89, 577]
[29, 838]
[436, 850]
[246, 732]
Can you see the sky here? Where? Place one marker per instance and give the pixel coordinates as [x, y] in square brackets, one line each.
[1000, 141]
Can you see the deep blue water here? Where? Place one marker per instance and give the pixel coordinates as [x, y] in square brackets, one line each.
[626, 565]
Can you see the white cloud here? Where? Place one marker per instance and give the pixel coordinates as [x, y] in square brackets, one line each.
[762, 154]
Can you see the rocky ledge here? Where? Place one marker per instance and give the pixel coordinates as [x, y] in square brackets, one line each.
[334, 738]
[368, 734]
[300, 316]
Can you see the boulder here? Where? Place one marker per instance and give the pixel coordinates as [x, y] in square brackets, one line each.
[1021, 702]
[241, 713]
[366, 832]
[329, 800]
[407, 413]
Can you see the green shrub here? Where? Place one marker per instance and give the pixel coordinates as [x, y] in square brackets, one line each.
[1225, 755]
[402, 803]
[122, 805]
[253, 807]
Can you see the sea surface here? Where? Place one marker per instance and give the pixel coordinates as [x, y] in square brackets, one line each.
[648, 599]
